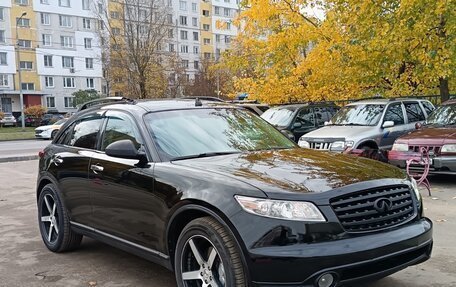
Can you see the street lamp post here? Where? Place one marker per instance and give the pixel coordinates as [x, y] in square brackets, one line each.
[21, 96]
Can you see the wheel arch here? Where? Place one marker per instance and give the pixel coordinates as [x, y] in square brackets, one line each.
[369, 143]
[194, 209]
[45, 180]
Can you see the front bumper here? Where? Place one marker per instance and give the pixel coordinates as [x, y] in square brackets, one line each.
[360, 258]
[439, 164]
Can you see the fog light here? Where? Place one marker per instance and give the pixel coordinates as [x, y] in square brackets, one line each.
[326, 280]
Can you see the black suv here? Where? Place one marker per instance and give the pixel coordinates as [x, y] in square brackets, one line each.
[221, 197]
[296, 120]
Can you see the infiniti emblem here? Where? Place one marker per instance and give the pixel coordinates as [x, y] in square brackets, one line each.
[383, 205]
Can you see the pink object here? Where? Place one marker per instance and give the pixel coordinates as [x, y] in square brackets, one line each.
[421, 175]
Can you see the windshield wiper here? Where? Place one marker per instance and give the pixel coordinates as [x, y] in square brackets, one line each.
[201, 155]
[353, 124]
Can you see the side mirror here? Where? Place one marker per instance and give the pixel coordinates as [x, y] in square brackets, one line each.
[297, 125]
[418, 125]
[126, 149]
[388, 124]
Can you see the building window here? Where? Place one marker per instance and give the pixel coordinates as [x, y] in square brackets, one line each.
[227, 39]
[28, 86]
[184, 49]
[206, 27]
[194, 7]
[170, 33]
[170, 18]
[207, 55]
[217, 10]
[171, 47]
[184, 35]
[196, 65]
[195, 50]
[2, 36]
[24, 43]
[64, 3]
[44, 2]
[49, 82]
[1, 14]
[195, 36]
[88, 43]
[65, 21]
[68, 102]
[115, 15]
[47, 40]
[227, 1]
[89, 63]
[100, 7]
[50, 102]
[85, 5]
[3, 80]
[3, 60]
[228, 25]
[207, 41]
[66, 41]
[23, 22]
[90, 83]
[195, 22]
[185, 63]
[183, 20]
[227, 12]
[68, 82]
[115, 31]
[48, 61]
[45, 19]
[26, 65]
[67, 62]
[217, 38]
[183, 5]
[86, 23]
[21, 2]
[206, 13]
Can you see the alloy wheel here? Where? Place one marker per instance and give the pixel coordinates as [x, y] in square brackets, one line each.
[50, 218]
[202, 265]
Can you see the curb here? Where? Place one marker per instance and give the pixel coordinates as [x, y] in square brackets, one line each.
[18, 158]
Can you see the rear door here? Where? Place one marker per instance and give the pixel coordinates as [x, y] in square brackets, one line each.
[70, 157]
[123, 199]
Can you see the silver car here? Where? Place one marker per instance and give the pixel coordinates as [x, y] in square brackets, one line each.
[368, 124]
[8, 120]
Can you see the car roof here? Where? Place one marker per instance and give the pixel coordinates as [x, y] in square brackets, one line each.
[309, 104]
[449, 102]
[383, 101]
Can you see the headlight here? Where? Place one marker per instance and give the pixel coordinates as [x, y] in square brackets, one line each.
[341, 145]
[448, 148]
[280, 209]
[303, 143]
[400, 147]
[415, 188]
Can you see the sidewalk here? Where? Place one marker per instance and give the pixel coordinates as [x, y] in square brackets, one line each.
[11, 151]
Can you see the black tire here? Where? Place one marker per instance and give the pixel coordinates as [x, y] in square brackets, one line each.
[53, 134]
[62, 238]
[227, 268]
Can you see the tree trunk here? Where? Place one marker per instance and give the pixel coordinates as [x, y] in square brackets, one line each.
[142, 88]
[444, 89]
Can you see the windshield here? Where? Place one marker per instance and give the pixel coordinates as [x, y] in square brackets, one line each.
[193, 132]
[359, 115]
[443, 115]
[279, 116]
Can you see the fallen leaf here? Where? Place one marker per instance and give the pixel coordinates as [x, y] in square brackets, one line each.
[92, 283]
[434, 198]
[441, 220]
[454, 197]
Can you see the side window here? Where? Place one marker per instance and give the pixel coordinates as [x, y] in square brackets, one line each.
[395, 114]
[120, 127]
[414, 112]
[306, 117]
[63, 139]
[428, 107]
[322, 115]
[85, 132]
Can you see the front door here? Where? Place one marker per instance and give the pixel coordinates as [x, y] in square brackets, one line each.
[303, 123]
[123, 199]
[394, 113]
[7, 106]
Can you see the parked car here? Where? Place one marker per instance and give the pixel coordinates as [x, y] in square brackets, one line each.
[49, 118]
[8, 120]
[49, 131]
[256, 108]
[368, 124]
[28, 121]
[299, 119]
[224, 199]
[438, 137]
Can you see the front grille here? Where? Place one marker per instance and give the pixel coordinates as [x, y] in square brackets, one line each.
[359, 211]
[320, 146]
[430, 149]
[37, 132]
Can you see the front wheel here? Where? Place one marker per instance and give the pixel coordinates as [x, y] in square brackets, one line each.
[207, 255]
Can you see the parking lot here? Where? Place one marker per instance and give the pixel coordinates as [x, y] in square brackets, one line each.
[24, 260]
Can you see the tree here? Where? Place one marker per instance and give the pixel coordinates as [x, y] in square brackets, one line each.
[135, 33]
[2, 115]
[210, 78]
[83, 96]
[35, 113]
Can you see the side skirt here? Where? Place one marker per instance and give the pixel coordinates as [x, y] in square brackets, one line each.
[125, 245]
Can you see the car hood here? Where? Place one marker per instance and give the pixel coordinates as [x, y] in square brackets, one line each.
[339, 132]
[295, 170]
[430, 135]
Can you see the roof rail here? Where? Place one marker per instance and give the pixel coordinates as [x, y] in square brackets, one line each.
[203, 98]
[243, 101]
[105, 101]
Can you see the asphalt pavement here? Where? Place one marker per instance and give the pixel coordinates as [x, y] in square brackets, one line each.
[21, 150]
[25, 261]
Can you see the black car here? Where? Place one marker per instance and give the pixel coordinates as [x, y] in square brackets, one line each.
[296, 120]
[50, 118]
[223, 198]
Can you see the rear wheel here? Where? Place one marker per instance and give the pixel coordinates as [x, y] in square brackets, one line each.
[54, 223]
[207, 255]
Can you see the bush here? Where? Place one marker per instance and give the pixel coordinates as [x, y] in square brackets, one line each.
[2, 115]
[35, 113]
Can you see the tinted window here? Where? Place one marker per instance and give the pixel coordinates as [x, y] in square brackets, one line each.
[84, 133]
[395, 114]
[414, 112]
[119, 127]
[322, 115]
[306, 118]
[193, 132]
[428, 107]
[63, 139]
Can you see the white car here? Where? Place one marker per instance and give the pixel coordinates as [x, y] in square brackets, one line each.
[8, 120]
[49, 131]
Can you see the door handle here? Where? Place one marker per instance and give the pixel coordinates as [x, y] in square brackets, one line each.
[57, 160]
[96, 168]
